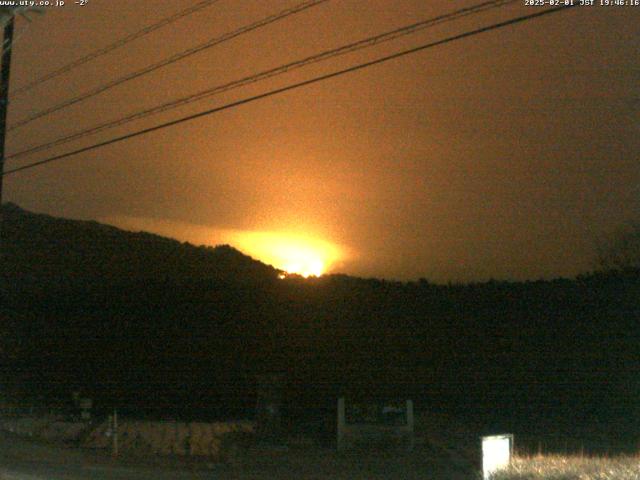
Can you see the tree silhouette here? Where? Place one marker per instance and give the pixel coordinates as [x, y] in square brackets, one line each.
[621, 251]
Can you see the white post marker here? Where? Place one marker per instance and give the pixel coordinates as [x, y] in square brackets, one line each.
[496, 453]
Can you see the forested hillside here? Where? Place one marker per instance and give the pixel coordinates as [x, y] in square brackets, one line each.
[170, 329]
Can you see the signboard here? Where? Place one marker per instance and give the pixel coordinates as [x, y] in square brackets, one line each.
[372, 424]
[376, 413]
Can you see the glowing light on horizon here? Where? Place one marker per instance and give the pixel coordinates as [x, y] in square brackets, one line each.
[291, 253]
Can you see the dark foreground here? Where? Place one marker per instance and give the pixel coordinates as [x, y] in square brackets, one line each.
[21, 459]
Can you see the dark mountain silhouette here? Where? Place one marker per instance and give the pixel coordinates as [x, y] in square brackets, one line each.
[41, 246]
[157, 327]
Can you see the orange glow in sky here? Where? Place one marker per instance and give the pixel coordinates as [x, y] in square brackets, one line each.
[473, 160]
[295, 254]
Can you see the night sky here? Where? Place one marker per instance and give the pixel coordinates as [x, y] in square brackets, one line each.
[506, 155]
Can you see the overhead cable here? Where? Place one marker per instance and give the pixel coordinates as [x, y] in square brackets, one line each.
[112, 46]
[174, 58]
[280, 70]
[293, 86]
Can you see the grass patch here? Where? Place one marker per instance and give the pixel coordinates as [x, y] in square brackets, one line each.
[561, 467]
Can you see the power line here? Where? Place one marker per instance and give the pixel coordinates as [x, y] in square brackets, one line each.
[174, 58]
[117, 44]
[293, 87]
[349, 48]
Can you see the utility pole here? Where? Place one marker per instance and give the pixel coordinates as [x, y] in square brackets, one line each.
[4, 104]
